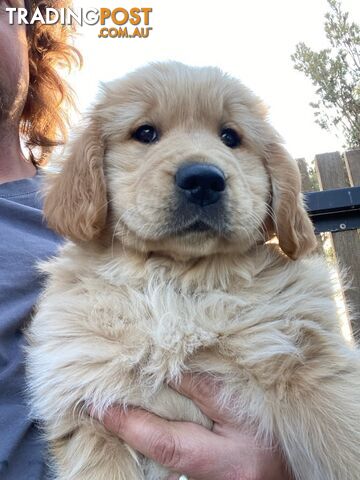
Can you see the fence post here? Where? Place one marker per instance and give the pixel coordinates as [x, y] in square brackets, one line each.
[307, 186]
[332, 174]
[352, 162]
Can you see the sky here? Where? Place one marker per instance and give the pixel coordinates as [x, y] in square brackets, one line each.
[252, 40]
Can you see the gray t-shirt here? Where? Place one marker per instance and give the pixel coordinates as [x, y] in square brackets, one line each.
[24, 240]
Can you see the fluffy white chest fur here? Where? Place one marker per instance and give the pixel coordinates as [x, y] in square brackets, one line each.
[114, 328]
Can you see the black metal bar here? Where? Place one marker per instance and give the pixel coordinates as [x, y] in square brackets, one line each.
[334, 210]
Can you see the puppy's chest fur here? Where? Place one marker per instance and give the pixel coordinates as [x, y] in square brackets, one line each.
[117, 328]
[165, 324]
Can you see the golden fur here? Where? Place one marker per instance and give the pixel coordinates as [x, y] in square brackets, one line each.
[131, 302]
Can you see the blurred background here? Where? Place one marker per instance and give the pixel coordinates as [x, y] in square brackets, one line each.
[252, 40]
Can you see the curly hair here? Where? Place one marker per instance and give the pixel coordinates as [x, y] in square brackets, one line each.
[45, 117]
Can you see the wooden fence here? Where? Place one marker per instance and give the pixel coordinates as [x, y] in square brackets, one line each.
[333, 170]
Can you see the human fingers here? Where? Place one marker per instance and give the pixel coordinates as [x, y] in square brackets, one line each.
[179, 446]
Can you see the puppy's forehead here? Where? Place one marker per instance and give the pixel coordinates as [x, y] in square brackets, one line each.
[173, 93]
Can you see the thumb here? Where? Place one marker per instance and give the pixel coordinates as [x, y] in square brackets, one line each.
[179, 446]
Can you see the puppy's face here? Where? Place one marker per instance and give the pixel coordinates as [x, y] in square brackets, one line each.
[185, 155]
[183, 171]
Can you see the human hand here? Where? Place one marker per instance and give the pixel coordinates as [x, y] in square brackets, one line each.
[227, 452]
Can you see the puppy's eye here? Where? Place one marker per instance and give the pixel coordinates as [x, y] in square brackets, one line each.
[230, 138]
[146, 134]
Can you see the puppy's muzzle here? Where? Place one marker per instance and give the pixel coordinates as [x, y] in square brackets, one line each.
[200, 183]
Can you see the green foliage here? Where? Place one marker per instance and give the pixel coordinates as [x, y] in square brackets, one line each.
[335, 72]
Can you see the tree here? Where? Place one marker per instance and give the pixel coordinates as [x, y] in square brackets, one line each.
[335, 72]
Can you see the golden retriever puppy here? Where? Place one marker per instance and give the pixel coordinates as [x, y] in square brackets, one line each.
[169, 195]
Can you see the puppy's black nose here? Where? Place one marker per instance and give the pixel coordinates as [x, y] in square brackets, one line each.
[201, 183]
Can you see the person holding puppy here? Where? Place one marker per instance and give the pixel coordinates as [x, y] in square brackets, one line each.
[33, 100]
[30, 96]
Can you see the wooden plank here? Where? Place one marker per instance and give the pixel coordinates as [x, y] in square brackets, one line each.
[331, 171]
[332, 174]
[352, 162]
[306, 185]
[347, 248]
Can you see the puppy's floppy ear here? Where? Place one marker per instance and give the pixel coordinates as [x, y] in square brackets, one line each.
[293, 227]
[75, 203]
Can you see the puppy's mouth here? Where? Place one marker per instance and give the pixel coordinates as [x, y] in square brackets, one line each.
[196, 226]
[209, 222]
